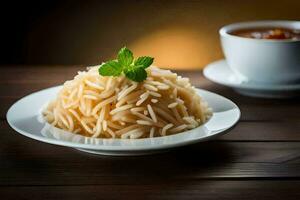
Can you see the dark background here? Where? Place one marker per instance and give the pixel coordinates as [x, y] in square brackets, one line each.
[179, 34]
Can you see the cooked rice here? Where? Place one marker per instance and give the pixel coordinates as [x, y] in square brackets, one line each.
[116, 107]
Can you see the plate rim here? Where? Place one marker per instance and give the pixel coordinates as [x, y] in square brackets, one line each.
[100, 147]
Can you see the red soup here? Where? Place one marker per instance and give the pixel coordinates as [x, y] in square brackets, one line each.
[274, 33]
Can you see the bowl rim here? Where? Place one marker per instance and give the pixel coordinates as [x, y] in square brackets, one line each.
[292, 24]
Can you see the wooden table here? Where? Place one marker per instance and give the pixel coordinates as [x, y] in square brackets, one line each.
[258, 159]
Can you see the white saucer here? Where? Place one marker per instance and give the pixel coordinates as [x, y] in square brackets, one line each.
[219, 72]
[25, 117]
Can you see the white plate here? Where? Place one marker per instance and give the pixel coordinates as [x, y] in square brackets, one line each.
[219, 72]
[25, 117]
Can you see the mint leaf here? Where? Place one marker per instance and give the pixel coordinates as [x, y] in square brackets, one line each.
[125, 57]
[144, 61]
[110, 68]
[125, 64]
[137, 74]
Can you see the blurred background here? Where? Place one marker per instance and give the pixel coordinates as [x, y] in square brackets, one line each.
[179, 34]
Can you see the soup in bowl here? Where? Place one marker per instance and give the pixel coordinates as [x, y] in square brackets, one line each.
[266, 52]
[272, 33]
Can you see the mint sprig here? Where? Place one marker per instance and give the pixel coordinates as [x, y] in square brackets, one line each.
[134, 69]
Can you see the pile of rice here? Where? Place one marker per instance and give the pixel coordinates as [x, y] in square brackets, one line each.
[116, 107]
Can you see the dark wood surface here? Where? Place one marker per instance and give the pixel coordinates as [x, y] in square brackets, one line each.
[258, 159]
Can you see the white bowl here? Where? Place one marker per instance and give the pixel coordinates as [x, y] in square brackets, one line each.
[262, 60]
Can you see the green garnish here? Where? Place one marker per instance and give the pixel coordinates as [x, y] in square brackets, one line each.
[134, 69]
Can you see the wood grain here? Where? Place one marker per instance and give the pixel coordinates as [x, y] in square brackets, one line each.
[26, 161]
[185, 189]
[258, 158]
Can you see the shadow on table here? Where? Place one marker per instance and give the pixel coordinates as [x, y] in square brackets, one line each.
[203, 160]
